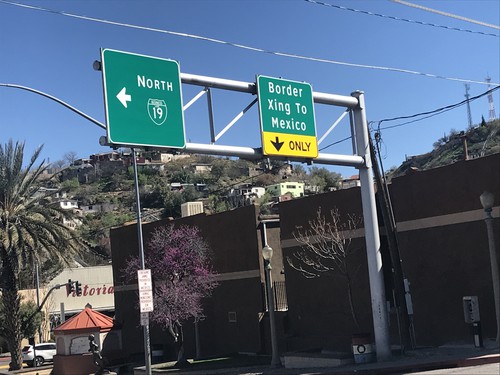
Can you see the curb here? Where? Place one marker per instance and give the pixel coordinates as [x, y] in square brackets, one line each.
[421, 366]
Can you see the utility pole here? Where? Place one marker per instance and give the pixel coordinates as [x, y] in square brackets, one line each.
[392, 241]
[38, 298]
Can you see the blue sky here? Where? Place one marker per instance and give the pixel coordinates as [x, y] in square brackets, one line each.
[54, 53]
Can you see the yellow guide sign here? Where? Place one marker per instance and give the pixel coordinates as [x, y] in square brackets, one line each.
[286, 111]
[290, 144]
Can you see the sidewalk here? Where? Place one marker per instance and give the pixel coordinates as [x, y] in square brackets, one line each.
[421, 359]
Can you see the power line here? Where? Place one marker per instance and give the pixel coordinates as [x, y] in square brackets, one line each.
[246, 47]
[426, 115]
[335, 143]
[399, 18]
[433, 112]
[446, 14]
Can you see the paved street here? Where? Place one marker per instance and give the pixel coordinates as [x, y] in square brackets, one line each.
[5, 360]
[488, 369]
[450, 359]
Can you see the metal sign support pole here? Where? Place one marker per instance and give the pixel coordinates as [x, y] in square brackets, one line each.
[147, 346]
[372, 238]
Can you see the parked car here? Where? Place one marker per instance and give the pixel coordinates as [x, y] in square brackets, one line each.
[43, 352]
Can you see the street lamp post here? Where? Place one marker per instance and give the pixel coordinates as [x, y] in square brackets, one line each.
[267, 254]
[487, 201]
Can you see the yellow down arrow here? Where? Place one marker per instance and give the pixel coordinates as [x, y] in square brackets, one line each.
[280, 144]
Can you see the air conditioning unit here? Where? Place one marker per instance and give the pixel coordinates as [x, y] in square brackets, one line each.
[191, 208]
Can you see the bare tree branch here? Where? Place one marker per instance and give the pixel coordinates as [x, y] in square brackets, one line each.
[325, 246]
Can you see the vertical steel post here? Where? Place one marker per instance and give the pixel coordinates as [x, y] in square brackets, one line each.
[372, 238]
[210, 115]
[40, 336]
[147, 346]
[494, 268]
[62, 313]
[353, 133]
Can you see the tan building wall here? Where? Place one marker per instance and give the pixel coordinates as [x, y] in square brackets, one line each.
[97, 290]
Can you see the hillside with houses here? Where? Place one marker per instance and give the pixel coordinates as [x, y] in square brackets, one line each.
[100, 189]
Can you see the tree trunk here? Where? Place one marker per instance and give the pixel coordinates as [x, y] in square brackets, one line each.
[11, 303]
[351, 302]
[179, 346]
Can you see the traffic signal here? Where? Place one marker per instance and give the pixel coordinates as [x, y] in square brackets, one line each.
[69, 287]
[78, 288]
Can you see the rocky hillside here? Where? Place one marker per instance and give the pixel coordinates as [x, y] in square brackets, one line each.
[479, 141]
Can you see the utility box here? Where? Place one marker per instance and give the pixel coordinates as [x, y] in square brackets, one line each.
[471, 309]
[191, 208]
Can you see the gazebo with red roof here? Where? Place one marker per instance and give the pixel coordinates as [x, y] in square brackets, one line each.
[72, 342]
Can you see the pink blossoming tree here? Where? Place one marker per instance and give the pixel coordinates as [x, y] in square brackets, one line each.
[182, 276]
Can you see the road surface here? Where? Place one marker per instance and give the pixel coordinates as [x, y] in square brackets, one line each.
[488, 369]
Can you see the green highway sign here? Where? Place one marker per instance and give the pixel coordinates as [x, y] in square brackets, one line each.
[286, 110]
[143, 100]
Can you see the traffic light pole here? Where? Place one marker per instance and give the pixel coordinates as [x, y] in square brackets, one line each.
[57, 286]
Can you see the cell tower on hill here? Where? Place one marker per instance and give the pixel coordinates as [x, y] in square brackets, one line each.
[467, 87]
[491, 105]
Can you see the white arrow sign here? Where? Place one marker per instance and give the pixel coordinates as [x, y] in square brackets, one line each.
[123, 97]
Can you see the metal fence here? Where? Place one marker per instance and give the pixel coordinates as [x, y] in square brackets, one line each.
[280, 298]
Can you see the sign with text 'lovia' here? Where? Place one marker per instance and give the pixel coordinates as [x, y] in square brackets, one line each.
[286, 110]
[143, 100]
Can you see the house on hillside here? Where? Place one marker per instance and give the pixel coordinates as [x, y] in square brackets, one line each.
[200, 168]
[68, 204]
[110, 162]
[167, 158]
[81, 169]
[295, 189]
[350, 182]
[98, 207]
[245, 195]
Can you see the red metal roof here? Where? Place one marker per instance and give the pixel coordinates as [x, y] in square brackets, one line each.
[87, 320]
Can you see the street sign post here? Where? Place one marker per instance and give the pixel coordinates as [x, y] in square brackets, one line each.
[286, 110]
[143, 100]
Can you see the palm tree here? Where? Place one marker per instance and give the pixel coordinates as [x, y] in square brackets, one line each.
[30, 229]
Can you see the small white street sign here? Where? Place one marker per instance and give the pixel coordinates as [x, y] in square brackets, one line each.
[144, 319]
[145, 291]
[144, 280]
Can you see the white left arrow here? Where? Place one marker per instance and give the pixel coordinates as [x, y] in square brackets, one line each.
[123, 97]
